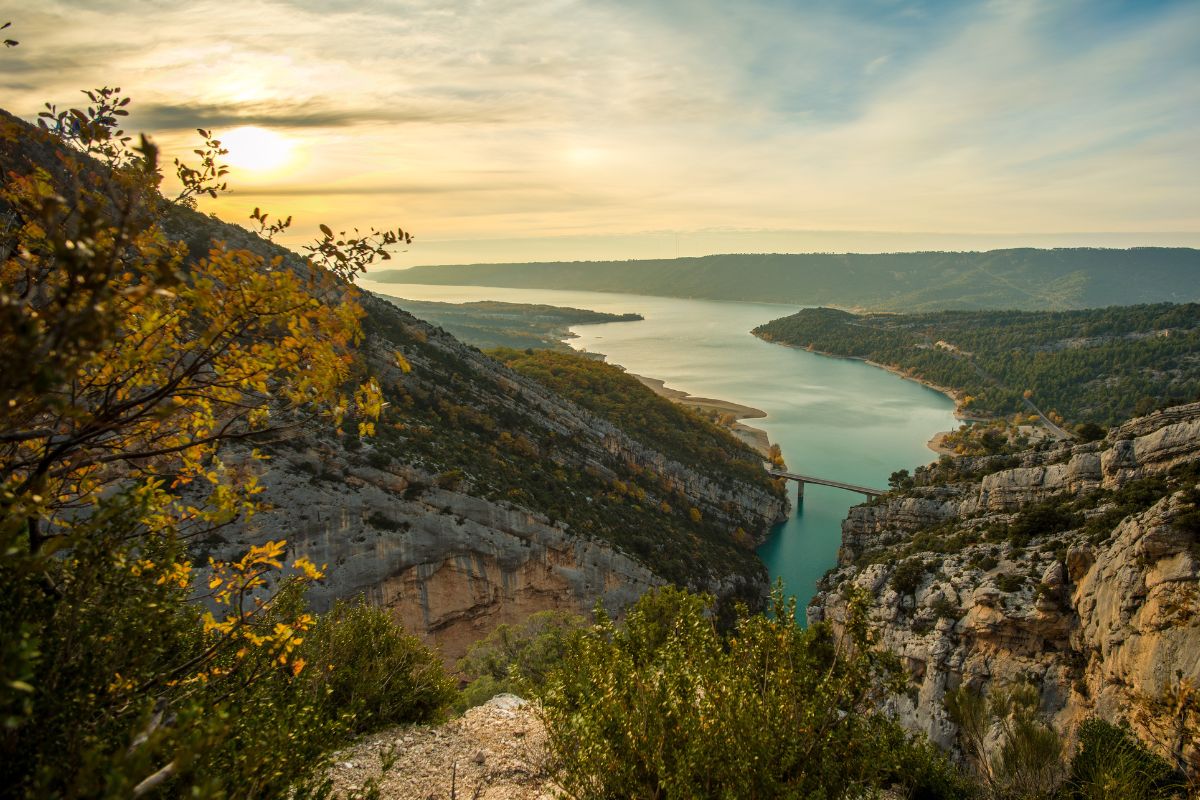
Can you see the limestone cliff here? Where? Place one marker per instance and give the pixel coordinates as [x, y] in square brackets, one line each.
[482, 495]
[1075, 568]
[485, 496]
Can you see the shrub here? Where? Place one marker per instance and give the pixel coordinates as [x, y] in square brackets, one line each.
[1039, 520]
[907, 577]
[516, 659]
[1026, 762]
[381, 521]
[984, 561]
[944, 609]
[129, 681]
[1111, 762]
[450, 480]
[1009, 582]
[665, 706]
[369, 673]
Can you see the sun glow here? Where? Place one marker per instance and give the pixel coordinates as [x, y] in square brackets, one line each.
[256, 149]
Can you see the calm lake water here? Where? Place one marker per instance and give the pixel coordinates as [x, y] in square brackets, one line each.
[833, 418]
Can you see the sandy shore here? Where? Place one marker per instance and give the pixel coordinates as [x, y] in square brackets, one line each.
[938, 444]
[750, 435]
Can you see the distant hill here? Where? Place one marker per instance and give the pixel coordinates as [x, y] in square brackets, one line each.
[488, 324]
[1025, 278]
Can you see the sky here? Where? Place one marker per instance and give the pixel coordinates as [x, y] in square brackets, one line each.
[514, 130]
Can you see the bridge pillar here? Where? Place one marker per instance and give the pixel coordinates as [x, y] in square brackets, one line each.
[799, 491]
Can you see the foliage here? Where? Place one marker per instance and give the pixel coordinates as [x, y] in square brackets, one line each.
[988, 438]
[1041, 519]
[1027, 763]
[130, 363]
[133, 684]
[1097, 366]
[908, 575]
[516, 659]
[367, 673]
[673, 430]
[129, 371]
[900, 479]
[664, 706]
[1111, 762]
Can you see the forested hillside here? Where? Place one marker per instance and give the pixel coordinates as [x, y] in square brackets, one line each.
[623, 400]
[1023, 278]
[471, 427]
[1099, 365]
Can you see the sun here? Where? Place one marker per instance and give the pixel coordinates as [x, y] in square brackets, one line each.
[255, 149]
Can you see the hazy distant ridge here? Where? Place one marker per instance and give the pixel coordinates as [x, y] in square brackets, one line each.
[1024, 278]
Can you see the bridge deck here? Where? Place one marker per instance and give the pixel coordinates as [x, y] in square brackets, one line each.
[792, 476]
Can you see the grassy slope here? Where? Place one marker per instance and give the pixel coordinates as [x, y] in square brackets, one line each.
[673, 430]
[450, 418]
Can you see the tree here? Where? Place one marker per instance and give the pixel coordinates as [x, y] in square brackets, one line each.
[135, 360]
[900, 479]
[132, 368]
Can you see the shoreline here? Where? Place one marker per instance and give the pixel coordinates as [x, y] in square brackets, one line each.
[937, 442]
[755, 437]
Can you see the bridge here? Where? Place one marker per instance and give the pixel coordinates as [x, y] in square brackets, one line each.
[803, 479]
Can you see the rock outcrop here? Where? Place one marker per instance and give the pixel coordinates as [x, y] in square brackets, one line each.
[424, 520]
[1075, 569]
[449, 565]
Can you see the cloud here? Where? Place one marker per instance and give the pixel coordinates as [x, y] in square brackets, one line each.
[183, 116]
[550, 117]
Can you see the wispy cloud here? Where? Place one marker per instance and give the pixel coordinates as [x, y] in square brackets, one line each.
[554, 118]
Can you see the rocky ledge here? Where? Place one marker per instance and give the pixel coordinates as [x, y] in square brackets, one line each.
[1075, 569]
[496, 751]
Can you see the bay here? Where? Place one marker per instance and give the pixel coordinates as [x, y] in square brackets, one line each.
[833, 418]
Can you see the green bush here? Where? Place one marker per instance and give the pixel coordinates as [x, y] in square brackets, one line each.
[1045, 518]
[907, 577]
[1025, 761]
[1009, 582]
[1112, 763]
[516, 659]
[944, 609]
[665, 706]
[368, 673]
[124, 681]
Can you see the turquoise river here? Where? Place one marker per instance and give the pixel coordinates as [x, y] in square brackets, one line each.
[833, 418]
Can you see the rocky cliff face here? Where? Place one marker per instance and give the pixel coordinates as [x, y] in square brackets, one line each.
[482, 495]
[486, 497]
[1076, 569]
[449, 565]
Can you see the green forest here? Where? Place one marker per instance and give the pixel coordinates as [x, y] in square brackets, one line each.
[1022, 278]
[1096, 366]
